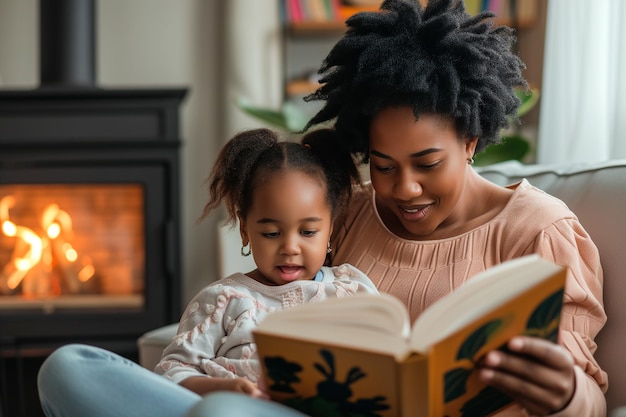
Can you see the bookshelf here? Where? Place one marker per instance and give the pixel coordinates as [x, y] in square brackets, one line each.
[306, 22]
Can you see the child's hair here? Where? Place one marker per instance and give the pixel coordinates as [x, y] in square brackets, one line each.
[436, 60]
[253, 156]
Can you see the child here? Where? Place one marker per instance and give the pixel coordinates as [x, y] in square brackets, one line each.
[286, 198]
[286, 201]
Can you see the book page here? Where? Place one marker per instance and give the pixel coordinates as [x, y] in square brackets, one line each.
[370, 322]
[481, 294]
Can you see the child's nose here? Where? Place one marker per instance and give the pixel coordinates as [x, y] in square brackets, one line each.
[291, 245]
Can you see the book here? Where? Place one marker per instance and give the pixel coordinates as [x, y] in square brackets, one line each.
[294, 10]
[361, 356]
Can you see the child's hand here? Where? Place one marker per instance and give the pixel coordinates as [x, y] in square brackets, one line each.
[244, 386]
[202, 385]
[537, 373]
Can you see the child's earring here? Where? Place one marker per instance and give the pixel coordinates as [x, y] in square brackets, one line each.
[243, 250]
[470, 161]
[329, 249]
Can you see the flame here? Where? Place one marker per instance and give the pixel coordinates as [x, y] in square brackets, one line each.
[86, 273]
[54, 230]
[57, 224]
[21, 264]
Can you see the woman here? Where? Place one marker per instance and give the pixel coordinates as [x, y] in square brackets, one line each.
[416, 93]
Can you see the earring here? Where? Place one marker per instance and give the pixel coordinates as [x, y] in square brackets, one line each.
[470, 161]
[243, 252]
[329, 249]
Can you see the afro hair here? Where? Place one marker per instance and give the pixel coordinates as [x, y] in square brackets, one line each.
[437, 59]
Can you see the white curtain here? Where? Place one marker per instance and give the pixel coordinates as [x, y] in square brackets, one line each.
[583, 97]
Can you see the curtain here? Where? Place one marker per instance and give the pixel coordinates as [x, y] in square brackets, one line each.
[583, 97]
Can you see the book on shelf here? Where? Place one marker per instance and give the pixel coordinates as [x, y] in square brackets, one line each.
[296, 11]
[525, 10]
[361, 356]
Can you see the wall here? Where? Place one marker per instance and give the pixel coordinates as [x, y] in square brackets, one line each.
[144, 44]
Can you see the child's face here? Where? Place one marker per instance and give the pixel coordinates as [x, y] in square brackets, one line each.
[288, 227]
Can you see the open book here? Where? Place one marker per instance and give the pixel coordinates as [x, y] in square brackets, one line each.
[360, 356]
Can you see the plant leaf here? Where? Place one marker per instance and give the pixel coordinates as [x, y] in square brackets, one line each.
[289, 118]
[295, 119]
[272, 117]
[528, 99]
[512, 147]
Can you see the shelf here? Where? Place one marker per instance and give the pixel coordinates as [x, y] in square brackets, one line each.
[310, 40]
[317, 28]
[301, 87]
[329, 27]
[527, 11]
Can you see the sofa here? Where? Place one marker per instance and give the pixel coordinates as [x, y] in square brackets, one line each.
[595, 192]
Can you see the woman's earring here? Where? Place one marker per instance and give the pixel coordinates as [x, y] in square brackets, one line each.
[470, 161]
[243, 252]
[329, 249]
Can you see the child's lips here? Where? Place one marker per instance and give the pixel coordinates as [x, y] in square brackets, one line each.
[290, 273]
[289, 269]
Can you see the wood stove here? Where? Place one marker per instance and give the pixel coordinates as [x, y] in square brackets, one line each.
[89, 217]
[89, 209]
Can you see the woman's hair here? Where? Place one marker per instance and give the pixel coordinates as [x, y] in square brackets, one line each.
[253, 156]
[437, 59]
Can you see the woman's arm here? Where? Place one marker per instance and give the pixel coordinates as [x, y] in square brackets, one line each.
[545, 378]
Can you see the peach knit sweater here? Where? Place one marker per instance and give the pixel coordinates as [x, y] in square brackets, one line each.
[421, 272]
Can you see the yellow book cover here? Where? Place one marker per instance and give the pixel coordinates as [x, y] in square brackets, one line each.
[359, 356]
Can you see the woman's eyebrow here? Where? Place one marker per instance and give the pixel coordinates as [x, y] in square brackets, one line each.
[413, 155]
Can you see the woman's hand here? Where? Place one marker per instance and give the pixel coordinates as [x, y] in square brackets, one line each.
[203, 385]
[536, 373]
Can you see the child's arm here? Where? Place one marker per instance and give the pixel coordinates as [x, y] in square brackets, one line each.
[350, 280]
[214, 341]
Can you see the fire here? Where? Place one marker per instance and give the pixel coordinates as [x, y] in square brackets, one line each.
[51, 249]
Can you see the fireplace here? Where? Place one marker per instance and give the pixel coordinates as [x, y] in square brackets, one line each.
[89, 217]
[89, 208]
[89, 222]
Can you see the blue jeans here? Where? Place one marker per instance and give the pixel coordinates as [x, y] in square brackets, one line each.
[80, 380]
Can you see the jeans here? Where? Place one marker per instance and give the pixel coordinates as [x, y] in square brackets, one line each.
[80, 380]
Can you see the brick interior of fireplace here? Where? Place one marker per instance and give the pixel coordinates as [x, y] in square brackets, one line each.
[78, 244]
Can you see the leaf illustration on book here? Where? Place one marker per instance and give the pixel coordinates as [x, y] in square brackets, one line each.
[479, 338]
[455, 381]
[282, 373]
[485, 402]
[333, 397]
[544, 320]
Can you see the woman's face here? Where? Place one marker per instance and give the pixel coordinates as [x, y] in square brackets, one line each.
[288, 227]
[418, 169]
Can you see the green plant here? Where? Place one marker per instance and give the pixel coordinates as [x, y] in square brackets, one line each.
[289, 118]
[513, 146]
